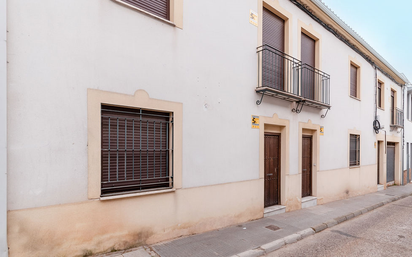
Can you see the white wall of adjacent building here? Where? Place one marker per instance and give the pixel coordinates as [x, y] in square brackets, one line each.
[407, 160]
[3, 129]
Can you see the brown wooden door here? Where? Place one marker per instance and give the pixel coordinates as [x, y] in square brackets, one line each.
[308, 72]
[306, 166]
[273, 35]
[272, 170]
[379, 160]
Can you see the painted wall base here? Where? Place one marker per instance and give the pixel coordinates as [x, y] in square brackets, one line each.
[100, 226]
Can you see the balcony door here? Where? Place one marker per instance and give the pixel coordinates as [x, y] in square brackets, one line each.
[308, 71]
[273, 61]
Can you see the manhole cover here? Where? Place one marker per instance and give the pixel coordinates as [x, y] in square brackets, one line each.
[273, 227]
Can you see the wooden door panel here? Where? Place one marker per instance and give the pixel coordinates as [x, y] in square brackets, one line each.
[272, 170]
[306, 166]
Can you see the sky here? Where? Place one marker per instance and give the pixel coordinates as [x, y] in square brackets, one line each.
[386, 25]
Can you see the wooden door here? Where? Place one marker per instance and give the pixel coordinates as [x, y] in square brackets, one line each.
[273, 35]
[272, 169]
[306, 166]
[308, 71]
[390, 167]
[379, 160]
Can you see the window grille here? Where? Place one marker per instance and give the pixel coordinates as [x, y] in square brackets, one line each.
[137, 150]
[354, 150]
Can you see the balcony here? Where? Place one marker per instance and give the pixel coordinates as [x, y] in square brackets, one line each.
[396, 118]
[285, 77]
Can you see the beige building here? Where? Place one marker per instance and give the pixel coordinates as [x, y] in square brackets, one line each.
[131, 122]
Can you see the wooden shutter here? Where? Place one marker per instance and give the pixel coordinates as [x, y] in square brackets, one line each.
[353, 81]
[308, 72]
[392, 107]
[273, 61]
[273, 30]
[135, 150]
[157, 7]
[307, 50]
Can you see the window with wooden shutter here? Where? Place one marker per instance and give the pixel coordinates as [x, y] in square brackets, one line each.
[354, 81]
[379, 94]
[354, 150]
[160, 8]
[136, 150]
[392, 107]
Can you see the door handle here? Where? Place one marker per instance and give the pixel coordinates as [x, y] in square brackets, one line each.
[303, 169]
[270, 174]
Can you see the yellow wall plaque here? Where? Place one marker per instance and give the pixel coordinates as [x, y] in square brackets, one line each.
[255, 122]
[322, 130]
[253, 18]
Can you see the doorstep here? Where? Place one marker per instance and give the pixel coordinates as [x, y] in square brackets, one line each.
[273, 210]
[381, 187]
[309, 201]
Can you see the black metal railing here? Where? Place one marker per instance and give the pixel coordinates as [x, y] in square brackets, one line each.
[315, 84]
[397, 117]
[283, 73]
[278, 70]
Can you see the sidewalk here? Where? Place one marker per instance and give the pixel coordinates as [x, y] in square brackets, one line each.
[261, 236]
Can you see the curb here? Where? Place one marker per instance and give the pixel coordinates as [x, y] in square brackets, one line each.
[293, 238]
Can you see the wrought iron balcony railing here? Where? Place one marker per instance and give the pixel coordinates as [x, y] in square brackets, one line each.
[285, 77]
[397, 118]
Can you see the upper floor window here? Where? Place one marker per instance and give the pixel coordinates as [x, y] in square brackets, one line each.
[393, 106]
[380, 99]
[409, 101]
[160, 8]
[354, 87]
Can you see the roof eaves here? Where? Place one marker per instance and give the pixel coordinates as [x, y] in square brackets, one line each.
[342, 24]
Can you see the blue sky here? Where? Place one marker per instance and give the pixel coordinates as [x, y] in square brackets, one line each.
[386, 26]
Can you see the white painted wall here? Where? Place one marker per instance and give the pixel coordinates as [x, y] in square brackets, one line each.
[3, 129]
[59, 49]
[407, 130]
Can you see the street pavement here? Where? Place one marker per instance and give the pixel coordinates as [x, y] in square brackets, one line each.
[386, 231]
[256, 239]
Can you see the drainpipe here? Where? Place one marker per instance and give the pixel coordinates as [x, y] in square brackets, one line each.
[3, 130]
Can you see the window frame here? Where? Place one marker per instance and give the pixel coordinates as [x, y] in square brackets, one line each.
[357, 161]
[175, 12]
[352, 61]
[139, 143]
[381, 97]
[95, 98]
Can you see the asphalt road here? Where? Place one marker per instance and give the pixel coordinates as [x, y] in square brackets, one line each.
[386, 231]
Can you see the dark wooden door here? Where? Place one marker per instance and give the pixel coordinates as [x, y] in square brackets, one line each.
[273, 35]
[272, 170]
[390, 167]
[379, 160]
[308, 71]
[306, 166]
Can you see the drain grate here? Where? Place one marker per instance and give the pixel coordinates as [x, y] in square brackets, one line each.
[273, 227]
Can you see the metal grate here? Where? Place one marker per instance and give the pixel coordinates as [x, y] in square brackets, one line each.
[287, 78]
[137, 150]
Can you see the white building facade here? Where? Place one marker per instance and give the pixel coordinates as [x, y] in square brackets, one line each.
[408, 133]
[130, 125]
